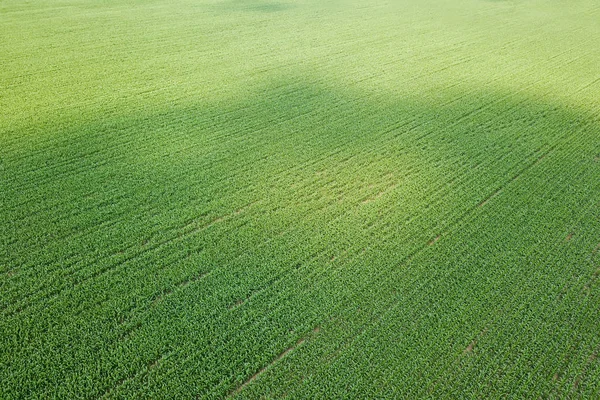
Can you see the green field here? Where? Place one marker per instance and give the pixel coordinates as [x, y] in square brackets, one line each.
[301, 198]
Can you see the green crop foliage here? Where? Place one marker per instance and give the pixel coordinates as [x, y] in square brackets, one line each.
[312, 199]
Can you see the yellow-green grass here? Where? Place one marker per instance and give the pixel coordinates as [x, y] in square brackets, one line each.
[357, 199]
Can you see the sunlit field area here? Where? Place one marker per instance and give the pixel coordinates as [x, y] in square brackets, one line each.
[303, 198]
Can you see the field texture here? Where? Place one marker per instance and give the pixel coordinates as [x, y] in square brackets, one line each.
[312, 199]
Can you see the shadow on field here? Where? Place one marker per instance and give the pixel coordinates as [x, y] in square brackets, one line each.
[188, 215]
[296, 149]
